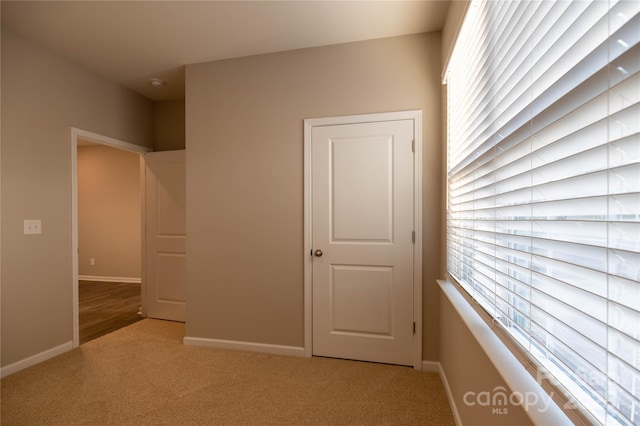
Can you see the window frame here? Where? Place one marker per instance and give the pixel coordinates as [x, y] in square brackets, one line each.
[477, 298]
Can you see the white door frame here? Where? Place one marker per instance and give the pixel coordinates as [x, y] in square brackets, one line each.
[115, 143]
[416, 116]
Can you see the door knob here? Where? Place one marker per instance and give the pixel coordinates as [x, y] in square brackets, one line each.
[318, 253]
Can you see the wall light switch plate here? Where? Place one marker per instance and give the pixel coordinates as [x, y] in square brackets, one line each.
[32, 226]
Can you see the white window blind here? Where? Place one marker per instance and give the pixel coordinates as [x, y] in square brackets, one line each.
[543, 211]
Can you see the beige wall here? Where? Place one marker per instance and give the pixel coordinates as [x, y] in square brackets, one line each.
[43, 96]
[245, 175]
[169, 125]
[109, 214]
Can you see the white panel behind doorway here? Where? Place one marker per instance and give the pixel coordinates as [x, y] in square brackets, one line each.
[166, 240]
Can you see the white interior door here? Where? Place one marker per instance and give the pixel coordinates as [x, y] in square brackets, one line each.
[165, 263]
[362, 241]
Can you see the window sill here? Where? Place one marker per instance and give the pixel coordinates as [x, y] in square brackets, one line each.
[540, 407]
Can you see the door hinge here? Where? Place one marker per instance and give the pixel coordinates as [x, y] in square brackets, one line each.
[413, 237]
[413, 145]
[414, 327]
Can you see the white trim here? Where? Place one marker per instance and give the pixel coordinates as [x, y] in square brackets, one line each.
[417, 247]
[452, 401]
[308, 260]
[110, 279]
[75, 298]
[436, 367]
[445, 65]
[544, 411]
[416, 116]
[143, 235]
[431, 366]
[106, 140]
[245, 346]
[103, 140]
[35, 359]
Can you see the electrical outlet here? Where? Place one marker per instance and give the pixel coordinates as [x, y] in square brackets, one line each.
[92, 261]
[32, 226]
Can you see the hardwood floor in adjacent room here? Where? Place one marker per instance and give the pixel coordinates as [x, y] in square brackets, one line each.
[106, 307]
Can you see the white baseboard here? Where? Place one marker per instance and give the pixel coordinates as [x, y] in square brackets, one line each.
[244, 346]
[35, 359]
[452, 401]
[110, 279]
[436, 367]
[431, 366]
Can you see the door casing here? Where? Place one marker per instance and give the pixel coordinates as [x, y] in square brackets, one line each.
[115, 143]
[309, 124]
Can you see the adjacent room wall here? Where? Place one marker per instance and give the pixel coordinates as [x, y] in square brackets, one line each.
[109, 215]
[169, 125]
[43, 96]
[245, 176]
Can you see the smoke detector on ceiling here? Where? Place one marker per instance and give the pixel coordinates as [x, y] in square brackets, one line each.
[156, 82]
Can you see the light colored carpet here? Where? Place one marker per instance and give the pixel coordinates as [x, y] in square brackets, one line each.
[144, 375]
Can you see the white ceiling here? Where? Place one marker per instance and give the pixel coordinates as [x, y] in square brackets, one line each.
[132, 41]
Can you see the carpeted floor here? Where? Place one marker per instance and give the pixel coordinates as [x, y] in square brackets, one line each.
[144, 375]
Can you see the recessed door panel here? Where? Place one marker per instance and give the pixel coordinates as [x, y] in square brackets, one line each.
[361, 299]
[171, 278]
[362, 188]
[171, 200]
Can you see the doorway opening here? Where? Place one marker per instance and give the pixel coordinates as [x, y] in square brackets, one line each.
[108, 240]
